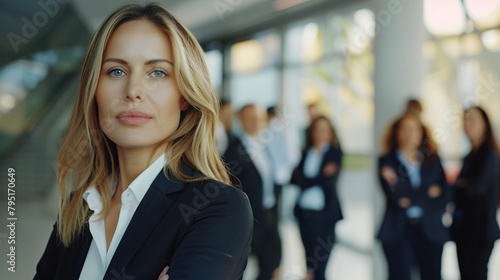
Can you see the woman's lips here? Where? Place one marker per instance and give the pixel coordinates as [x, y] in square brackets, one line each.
[133, 118]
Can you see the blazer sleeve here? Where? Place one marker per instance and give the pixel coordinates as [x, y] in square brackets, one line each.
[478, 184]
[392, 192]
[298, 174]
[216, 244]
[440, 202]
[298, 177]
[47, 266]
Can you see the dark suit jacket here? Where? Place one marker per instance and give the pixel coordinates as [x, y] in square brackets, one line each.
[394, 225]
[475, 213]
[201, 230]
[327, 183]
[246, 174]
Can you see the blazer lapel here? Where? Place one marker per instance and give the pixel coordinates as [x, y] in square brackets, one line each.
[74, 257]
[151, 210]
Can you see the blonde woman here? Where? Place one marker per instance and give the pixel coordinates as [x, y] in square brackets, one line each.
[143, 192]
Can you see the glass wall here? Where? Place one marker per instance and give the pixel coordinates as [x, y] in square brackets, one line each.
[28, 86]
[318, 63]
[318, 69]
[253, 70]
[462, 59]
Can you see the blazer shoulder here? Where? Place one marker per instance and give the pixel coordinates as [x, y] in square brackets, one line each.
[234, 143]
[386, 159]
[216, 194]
[225, 190]
[234, 148]
[334, 152]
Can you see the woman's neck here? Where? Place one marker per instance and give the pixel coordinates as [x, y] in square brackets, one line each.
[132, 162]
[411, 154]
[476, 143]
[319, 146]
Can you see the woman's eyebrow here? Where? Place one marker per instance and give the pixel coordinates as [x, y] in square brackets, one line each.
[149, 62]
[154, 61]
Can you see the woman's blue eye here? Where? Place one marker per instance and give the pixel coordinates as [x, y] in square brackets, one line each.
[159, 74]
[116, 73]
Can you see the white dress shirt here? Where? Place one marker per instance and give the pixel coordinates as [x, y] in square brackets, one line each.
[313, 198]
[98, 258]
[413, 169]
[263, 162]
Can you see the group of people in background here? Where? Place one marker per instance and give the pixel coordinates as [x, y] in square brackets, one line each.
[412, 178]
[417, 195]
[261, 165]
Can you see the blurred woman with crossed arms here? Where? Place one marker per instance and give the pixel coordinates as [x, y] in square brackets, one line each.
[414, 183]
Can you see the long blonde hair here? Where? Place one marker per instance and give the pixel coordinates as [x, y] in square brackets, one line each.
[87, 157]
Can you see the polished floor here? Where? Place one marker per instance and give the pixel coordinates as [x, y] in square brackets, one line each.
[355, 257]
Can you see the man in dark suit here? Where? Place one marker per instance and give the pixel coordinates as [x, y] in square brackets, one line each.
[251, 164]
[188, 228]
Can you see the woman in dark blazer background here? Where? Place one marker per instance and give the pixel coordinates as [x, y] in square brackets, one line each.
[475, 227]
[414, 183]
[143, 192]
[318, 208]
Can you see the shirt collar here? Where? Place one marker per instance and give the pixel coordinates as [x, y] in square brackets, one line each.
[251, 142]
[139, 186]
[405, 160]
[323, 149]
[93, 198]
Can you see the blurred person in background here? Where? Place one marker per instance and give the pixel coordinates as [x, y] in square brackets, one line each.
[313, 111]
[416, 191]
[129, 199]
[475, 227]
[251, 164]
[226, 117]
[413, 107]
[318, 207]
[283, 147]
[223, 133]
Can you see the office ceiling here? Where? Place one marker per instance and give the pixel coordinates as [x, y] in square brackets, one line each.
[207, 19]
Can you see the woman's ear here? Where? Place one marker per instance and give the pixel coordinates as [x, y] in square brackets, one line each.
[184, 104]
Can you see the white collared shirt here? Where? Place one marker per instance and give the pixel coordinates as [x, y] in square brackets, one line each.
[313, 198]
[262, 161]
[98, 258]
[413, 170]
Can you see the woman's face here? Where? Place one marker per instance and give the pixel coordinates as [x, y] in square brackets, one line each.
[409, 134]
[138, 100]
[474, 125]
[321, 133]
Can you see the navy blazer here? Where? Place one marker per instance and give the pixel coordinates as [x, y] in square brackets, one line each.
[394, 225]
[202, 230]
[475, 201]
[245, 173]
[327, 183]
